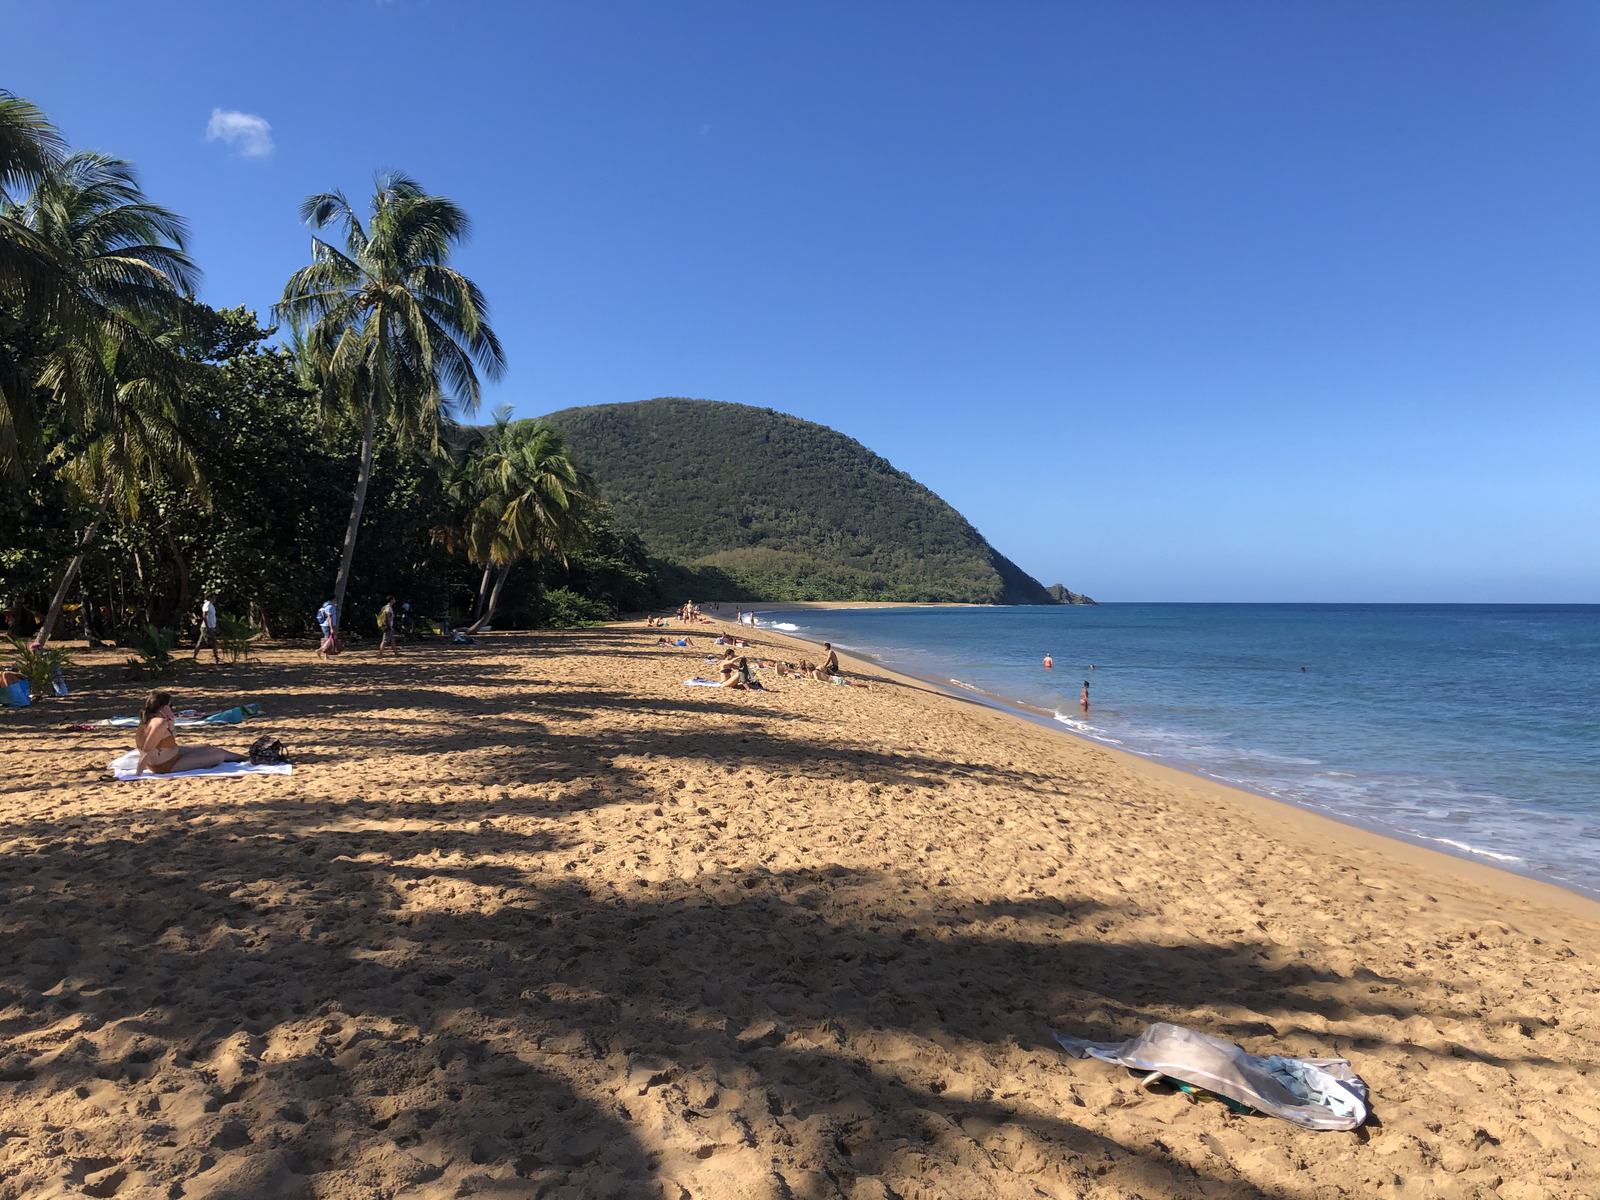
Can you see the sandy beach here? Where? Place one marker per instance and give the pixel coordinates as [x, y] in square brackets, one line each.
[532, 918]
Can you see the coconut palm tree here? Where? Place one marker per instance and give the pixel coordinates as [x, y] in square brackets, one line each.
[386, 324]
[104, 357]
[528, 500]
[87, 266]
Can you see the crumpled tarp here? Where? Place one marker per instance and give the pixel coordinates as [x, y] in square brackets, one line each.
[1314, 1093]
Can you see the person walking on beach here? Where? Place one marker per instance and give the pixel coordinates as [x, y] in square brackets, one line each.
[328, 621]
[208, 629]
[1084, 699]
[387, 619]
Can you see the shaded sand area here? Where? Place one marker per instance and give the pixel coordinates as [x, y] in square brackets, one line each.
[534, 919]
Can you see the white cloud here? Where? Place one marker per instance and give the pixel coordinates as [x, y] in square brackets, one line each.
[249, 135]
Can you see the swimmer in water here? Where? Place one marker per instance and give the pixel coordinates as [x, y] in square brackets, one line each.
[1050, 662]
[1084, 699]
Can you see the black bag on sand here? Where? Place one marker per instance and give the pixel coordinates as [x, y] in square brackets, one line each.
[265, 751]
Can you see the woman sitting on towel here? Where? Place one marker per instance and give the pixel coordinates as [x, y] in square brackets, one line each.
[158, 745]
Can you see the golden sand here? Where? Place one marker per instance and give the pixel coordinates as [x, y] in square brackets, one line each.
[534, 919]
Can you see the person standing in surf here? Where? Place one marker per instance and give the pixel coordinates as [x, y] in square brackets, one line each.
[1084, 699]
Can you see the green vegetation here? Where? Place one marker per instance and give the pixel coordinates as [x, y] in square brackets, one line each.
[152, 655]
[38, 667]
[154, 449]
[383, 321]
[747, 503]
[517, 495]
[235, 637]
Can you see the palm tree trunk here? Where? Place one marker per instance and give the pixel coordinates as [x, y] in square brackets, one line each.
[60, 599]
[83, 600]
[494, 600]
[368, 436]
[483, 591]
[183, 575]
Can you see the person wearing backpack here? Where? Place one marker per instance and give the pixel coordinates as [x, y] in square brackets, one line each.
[328, 622]
[387, 619]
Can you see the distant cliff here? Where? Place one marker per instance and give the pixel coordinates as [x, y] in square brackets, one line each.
[1060, 595]
[749, 503]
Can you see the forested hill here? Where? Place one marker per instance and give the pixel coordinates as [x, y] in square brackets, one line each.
[788, 510]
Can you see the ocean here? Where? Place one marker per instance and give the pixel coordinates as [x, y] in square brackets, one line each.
[1473, 729]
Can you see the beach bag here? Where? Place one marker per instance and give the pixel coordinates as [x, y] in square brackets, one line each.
[266, 751]
[383, 619]
[17, 694]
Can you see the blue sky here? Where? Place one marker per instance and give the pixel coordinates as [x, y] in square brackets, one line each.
[1176, 301]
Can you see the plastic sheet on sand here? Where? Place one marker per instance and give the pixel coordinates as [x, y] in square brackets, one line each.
[1314, 1093]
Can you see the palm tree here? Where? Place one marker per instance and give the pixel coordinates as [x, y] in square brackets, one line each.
[525, 498]
[83, 259]
[386, 321]
[105, 358]
[464, 529]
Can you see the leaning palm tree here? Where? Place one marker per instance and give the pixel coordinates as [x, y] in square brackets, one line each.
[386, 324]
[531, 500]
[111, 375]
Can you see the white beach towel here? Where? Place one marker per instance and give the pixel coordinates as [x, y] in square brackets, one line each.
[701, 683]
[124, 766]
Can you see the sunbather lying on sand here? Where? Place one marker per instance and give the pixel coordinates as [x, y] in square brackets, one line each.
[158, 746]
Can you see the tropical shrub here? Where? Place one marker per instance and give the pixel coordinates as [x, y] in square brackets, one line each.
[234, 635]
[154, 655]
[562, 608]
[38, 667]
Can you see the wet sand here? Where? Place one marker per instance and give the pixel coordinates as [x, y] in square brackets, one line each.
[534, 919]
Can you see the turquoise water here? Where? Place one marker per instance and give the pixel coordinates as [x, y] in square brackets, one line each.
[1469, 728]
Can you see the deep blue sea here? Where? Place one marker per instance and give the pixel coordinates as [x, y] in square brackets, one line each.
[1473, 729]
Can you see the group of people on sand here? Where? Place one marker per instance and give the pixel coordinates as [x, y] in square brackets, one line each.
[689, 614]
[828, 670]
[736, 672]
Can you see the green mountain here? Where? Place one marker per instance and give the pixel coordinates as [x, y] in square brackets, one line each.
[749, 503]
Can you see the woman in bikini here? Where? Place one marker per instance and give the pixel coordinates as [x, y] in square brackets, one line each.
[158, 745]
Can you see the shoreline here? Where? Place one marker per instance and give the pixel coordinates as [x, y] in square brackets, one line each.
[1527, 886]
